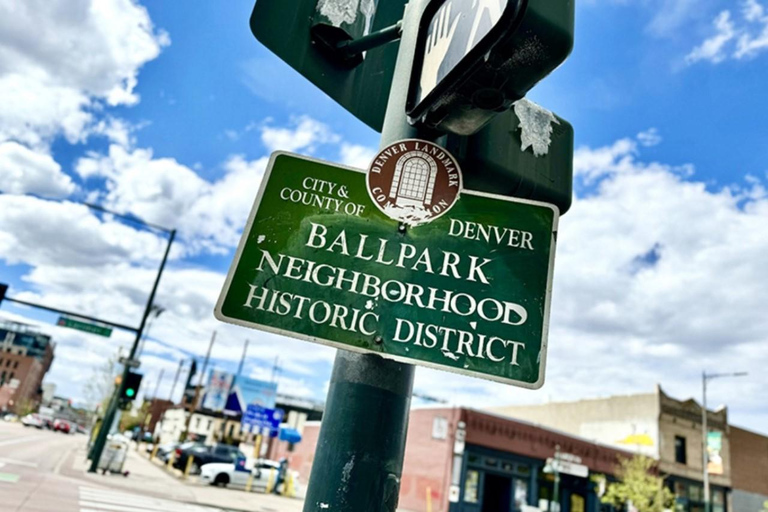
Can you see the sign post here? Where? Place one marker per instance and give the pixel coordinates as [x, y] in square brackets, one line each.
[359, 457]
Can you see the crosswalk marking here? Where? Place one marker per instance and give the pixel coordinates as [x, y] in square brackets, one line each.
[106, 500]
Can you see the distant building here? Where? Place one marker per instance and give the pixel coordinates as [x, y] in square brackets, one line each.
[749, 470]
[49, 390]
[463, 460]
[652, 424]
[25, 358]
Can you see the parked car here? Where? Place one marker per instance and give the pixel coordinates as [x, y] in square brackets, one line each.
[236, 474]
[205, 455]
[164, 449]
[61, 426]
[32, 420]
[10, 417]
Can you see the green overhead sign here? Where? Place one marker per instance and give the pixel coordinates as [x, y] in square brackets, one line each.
[468, 292]
[71, 323]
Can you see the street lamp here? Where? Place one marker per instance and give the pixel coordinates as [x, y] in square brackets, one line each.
[704, 430]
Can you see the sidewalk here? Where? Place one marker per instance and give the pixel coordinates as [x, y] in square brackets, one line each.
[153, 479]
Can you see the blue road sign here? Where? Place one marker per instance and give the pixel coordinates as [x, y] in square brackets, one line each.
[257, 417]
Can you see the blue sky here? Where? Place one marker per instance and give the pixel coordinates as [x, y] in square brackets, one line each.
[169, 113]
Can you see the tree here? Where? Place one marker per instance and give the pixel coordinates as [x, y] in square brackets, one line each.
[99, 388]
[638, 483]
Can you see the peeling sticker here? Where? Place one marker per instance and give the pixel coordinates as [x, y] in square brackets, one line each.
[450, 355]
[369, 305]
[536, 125]
[324, 505]
[260, 239]
[347, 471]
[368, 8]
[339, 11]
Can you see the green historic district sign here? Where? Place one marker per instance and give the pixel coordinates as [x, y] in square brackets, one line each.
[84, 326]
[468, 292]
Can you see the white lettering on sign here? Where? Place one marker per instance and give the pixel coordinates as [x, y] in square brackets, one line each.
[322, 194]
[471, 342]
[491, 234]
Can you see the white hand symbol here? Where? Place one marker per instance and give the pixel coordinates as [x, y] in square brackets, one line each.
[437, 47]
[494, 8]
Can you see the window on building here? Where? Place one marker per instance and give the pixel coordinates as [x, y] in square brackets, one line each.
[15, 364]
[680, 453]
[471, 485]
[696, 492]
[197, 423]
[10, 377]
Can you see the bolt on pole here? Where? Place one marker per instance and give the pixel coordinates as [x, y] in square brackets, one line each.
[359, 459]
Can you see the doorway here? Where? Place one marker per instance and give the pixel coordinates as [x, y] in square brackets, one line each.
[497, 493]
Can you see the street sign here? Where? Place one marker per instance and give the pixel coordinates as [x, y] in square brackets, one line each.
[256, 417]
[474, 58]
[468, 292]
[130, 363]
[293, 30]
[71, 323]
[568, 468]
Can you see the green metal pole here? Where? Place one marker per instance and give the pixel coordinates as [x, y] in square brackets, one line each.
[109, 415]
[359, 456]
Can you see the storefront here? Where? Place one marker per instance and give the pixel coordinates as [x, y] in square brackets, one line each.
[689, 495]
[462, 460]
[505, 468]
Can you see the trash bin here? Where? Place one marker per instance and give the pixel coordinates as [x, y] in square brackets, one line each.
[114, 454]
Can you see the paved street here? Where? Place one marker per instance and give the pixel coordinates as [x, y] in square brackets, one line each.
[44, 471]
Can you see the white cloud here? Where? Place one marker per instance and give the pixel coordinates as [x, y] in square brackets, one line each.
[356, 156]
[162, 191]
[306, 134]
[650, 137]
[59, 58]
[24, 171]
[745, 39]
[39, 232]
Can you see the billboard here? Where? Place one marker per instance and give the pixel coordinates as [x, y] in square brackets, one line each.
[246, 391]
[217, 390]
[714, 453]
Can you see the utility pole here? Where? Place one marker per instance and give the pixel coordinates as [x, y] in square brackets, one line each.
[366, 412]
[157, 386]
[275, 369]
[705, 432]
[554, 503]
[193, 404]
[242, 359]
[109, 415]
[175, 380]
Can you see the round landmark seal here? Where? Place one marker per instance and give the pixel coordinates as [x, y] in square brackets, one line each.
[414, 181]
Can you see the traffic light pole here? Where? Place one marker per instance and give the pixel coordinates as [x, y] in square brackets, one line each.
[359, 458]
[109, 415]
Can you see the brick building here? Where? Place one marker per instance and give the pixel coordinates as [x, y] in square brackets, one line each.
[749, 470]
[463, 460]
[25, 358]
[653, 424]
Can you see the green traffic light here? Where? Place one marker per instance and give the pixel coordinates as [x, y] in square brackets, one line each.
[130, 392]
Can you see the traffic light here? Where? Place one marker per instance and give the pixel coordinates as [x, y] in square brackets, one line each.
[131, 386]
[475, 58]
[3, 289]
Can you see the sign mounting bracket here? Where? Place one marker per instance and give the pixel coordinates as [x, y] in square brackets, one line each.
[349, 52]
